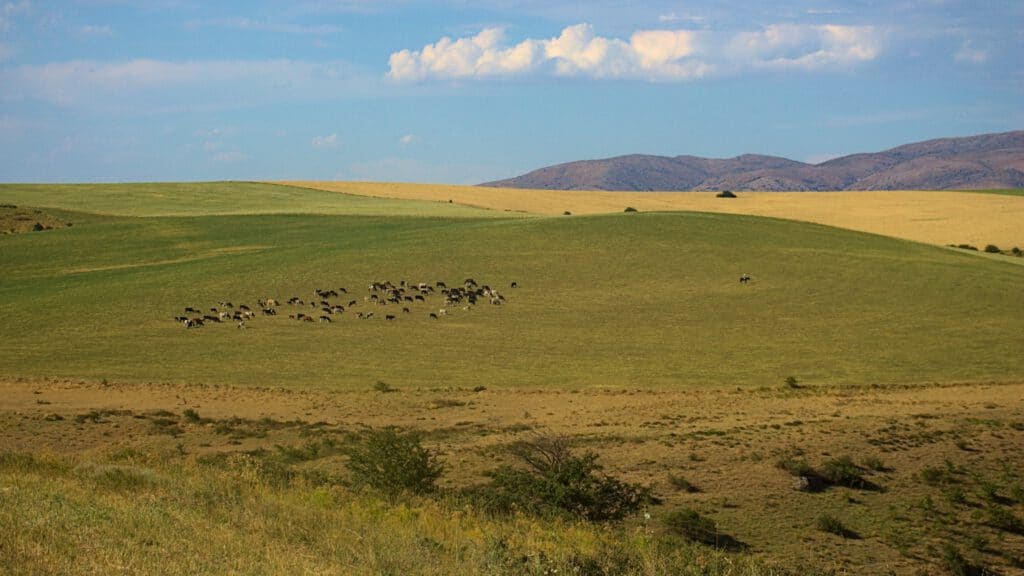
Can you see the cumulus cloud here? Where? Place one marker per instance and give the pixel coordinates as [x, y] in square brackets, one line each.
[577, 51]
[791, 46]
[408, 139]
[652, 55]
[329, 141]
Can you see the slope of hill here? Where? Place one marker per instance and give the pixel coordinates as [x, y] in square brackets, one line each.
[975, 162]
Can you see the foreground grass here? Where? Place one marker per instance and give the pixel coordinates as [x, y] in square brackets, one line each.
[162, 514]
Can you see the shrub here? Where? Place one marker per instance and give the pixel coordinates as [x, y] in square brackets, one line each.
[689, 524]
[383, 387]
[393, 462]
[556, 480]
[954, 561]
[629, 209]
[796, 467]
[933, 476]
[992, 249]
[191, 416]
[725, 194]
[792, 382]
[874, 463]
[832, 525]
[1016, 251]
[680, 483]
[843, 472]
[1005, 520]
[37, 227]
[566, 213]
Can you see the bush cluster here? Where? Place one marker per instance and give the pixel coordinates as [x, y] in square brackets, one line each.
[392, 462]
[555, 480]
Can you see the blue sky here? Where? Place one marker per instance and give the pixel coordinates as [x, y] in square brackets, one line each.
[461, 91]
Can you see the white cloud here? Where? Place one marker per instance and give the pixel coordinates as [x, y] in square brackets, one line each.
[577, 51]
[230, 157]
[329, 141]
[267, 26]
[791, 46]
[968, 54]
[408, 139]
[93, 31]
[651, 55]
[149, 86]
[8, 10]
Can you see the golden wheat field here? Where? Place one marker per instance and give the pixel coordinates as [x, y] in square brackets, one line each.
[932, 217]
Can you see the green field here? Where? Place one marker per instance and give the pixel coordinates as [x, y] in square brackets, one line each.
[648, 299]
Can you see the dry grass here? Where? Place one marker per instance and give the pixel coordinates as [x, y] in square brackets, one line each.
[725, 441]
[932, 217]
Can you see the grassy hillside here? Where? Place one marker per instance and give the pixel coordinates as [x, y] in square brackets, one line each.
[648, 299]
[206, 198]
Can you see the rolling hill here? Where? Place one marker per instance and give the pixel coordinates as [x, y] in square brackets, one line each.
[972, 163]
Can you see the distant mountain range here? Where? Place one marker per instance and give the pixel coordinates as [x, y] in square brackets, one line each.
[976, 162]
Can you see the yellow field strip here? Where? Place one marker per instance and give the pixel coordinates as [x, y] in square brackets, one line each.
[933, 217]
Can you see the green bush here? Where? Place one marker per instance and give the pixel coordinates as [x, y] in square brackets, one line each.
[629, 209]
[843, 472]
[796, 467]
[392, 462]
[689, 524]
[831, 524]
[992, 249]
[554, 480]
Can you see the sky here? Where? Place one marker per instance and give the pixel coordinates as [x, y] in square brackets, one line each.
[467, 91]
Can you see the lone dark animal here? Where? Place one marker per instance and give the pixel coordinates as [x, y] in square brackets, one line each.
[434, 316]
[389, 317]
[515, 285]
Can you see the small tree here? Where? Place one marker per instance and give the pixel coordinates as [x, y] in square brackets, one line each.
[629, 209]
[556, 480]
[393, 462]
[992, 249]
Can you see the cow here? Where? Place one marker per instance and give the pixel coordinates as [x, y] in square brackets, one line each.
[744, 279]
[325, 319]
[389, 317]
[515, 284]
[433, 316]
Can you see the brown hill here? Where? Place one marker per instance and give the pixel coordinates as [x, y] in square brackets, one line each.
[975, 162]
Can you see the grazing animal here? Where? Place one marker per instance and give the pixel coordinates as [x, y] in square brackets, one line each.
[744, 279]
[389, 317]
[515, 285]
[241, 324]
[325, 318]
[434, 316]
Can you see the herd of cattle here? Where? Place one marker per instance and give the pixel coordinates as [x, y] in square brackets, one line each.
[383, 300]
